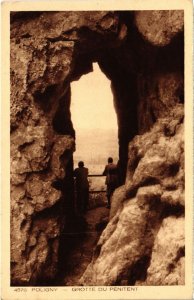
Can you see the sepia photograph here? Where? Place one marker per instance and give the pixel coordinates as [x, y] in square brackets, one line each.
[97, 150]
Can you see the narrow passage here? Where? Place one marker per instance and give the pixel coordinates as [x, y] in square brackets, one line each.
[79, 258]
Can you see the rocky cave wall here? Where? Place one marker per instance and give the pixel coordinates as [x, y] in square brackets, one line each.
[144, 61]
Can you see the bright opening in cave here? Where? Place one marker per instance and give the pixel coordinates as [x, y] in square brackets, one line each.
[94, 120]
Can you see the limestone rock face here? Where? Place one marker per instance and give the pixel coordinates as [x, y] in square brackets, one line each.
[48, 51]
[44, 54]
[167, 263]
[35, 225]
[159, 97]
[170, 22]
[143, 243]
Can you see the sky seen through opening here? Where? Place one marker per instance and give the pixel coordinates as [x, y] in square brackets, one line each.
[94, 120]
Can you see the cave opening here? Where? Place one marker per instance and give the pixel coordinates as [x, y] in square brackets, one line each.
[94, 123]
[101, 114]
[94, 120]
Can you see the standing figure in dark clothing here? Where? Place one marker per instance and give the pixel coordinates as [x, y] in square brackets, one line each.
[111, 173]
[82, 187]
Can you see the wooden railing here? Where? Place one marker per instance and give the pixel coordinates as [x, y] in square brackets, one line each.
[96, 191]
[96, 175]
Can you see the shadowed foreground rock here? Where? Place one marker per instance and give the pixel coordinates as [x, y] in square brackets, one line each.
[142, 55]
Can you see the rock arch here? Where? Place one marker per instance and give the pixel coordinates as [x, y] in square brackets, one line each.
[147, 93]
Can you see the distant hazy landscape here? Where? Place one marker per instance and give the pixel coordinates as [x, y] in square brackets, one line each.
[94, 147]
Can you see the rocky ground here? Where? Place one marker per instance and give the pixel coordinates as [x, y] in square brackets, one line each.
[79, 258]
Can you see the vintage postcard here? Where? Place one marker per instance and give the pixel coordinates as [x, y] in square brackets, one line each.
[97, 149]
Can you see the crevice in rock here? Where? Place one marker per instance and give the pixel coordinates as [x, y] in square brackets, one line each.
[23, 146]
[43, 98]
[180, 253]
[23, 224]
[172, 266]
[138, 271]
[62, 123]
[172, 210]
[173, 169]
[53, 211]
[148, 181]
[97, 252]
